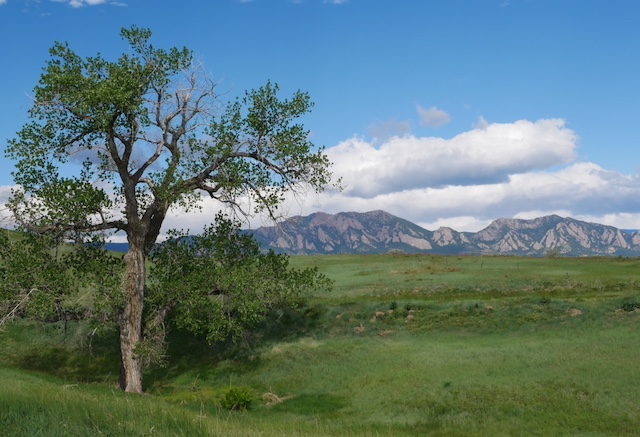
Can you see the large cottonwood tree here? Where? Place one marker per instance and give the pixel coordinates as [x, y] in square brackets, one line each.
[152, 134]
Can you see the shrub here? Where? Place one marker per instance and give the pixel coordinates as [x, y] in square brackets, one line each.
[237, 399]
[630, 306]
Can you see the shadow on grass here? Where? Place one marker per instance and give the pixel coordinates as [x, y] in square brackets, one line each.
[75, 355]
[190, 354]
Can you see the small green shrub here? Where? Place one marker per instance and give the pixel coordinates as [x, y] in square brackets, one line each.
[237, 399]
[630, 306]
[544, 301]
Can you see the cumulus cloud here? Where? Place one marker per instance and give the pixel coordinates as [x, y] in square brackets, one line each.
[583, 191]
[517, 170]
[432, 117]
[479, 156]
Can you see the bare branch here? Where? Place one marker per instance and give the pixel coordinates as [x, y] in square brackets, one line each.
[11, 314]
[61, 229]
[147, 182]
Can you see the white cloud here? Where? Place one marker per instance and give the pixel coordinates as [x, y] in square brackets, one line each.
[3, 2]
[621, 220]
[5, 215]
[5, 193]
[433, 117]
[81, 3]
[479, 156]
[460, 224]
[335, 2]
[583, 191]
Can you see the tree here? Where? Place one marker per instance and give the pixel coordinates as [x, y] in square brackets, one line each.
[154, 136]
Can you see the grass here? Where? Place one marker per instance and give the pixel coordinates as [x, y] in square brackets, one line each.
[404, 345]
[449, 278]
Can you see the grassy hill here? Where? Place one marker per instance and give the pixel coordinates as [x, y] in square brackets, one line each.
[404, 345]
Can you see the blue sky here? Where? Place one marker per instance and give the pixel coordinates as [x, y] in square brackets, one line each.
[444, 112]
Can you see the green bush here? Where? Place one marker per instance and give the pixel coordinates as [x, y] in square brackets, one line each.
[237, 399]
[544, 301]
[630, 306]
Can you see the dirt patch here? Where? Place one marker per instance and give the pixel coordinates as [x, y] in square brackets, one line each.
[574, 312]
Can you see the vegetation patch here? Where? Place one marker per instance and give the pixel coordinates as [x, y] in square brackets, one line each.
[630, 306]
[237, 399]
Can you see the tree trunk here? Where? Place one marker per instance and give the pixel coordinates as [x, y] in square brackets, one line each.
[131, 319]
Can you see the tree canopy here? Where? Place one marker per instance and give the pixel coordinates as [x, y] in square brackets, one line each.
[114, 145]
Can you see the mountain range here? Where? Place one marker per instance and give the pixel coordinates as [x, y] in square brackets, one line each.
[380, 232]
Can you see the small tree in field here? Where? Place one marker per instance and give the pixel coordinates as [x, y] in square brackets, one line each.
[154, 135]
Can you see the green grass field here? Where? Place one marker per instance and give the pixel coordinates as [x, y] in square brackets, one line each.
[403, 345]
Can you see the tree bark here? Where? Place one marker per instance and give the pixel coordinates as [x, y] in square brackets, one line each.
[131, 319]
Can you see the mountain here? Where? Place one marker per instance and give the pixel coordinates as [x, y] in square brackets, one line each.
[346, 232]
[379, 232]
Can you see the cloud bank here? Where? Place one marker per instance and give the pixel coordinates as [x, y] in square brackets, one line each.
[477, 157]
[524, 169]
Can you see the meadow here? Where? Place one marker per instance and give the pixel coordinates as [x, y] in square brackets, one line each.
[403, 345]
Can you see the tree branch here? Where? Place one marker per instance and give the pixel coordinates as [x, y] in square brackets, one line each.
[12, 313]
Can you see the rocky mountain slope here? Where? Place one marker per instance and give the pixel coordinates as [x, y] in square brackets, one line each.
[379, 232]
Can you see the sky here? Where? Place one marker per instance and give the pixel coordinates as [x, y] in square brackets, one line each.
[443, 112]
